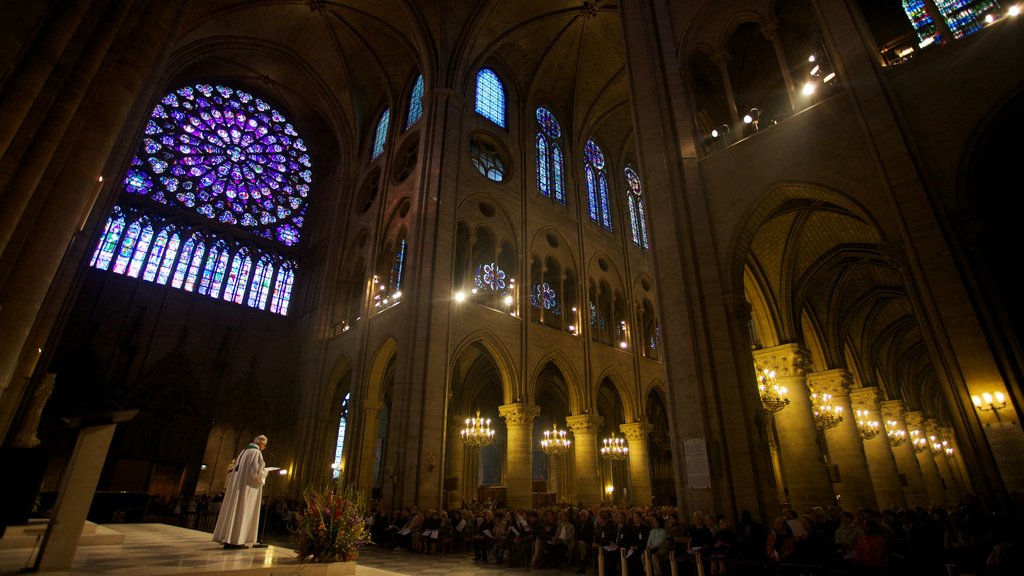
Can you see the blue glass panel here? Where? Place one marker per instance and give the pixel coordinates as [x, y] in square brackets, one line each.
[381, 135]
[490, 97]
[415, 103]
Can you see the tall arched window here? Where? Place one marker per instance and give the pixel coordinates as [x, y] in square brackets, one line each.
[490, 97]
[637, 216]
[342, 423]
[381, 136]
[550, 174]
[211, 153]
[415, 103]
[597, 185]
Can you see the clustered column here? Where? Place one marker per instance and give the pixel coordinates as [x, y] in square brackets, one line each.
[844, 444]
[941, 462]
[584, 430]
[879, 454]
[519, 478]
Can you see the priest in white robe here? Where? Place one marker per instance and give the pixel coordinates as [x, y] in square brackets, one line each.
[239, 518]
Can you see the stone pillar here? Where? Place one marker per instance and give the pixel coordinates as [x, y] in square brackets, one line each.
[885, 477]
[721, 59]
[640, 493]
[845, 447]
[906, 461]
[805, 479]
[519, 477]
[456, 454]
[361, 466]
[771, 32]
[938, 451]
[588, 479]
[932, 481]
[955, 462]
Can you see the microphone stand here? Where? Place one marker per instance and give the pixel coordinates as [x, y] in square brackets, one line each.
[262, 543]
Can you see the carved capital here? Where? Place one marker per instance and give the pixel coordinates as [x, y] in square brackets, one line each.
[770, 30]
[784, 359]
[835, 382]
[865, 399]
[584, 423]
[721, 59]
[893, 410]
[518, 413]
[635, 431]
[915, 420]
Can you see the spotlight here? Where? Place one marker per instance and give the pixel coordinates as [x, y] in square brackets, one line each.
[752, 116]
[720, 131]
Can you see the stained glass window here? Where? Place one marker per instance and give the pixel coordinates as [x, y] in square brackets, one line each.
[544, 296]
[398, 267]
[490, 97]
[340, 449]
[490, 277]
[597, 185]
[487, 159]
[221, 154]
[381, 135]
[550, 180]
[228, 156]
[637, 222]
[415, 103]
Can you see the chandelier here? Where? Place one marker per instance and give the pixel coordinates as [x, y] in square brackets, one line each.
[919, 442]
[614, 448]
[896, 436]
[773, 396]
[867, 429]
[826, 414]
[555, 443]
[940, 446]
[478, 431]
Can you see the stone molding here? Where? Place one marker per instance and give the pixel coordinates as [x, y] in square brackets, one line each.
[636, 430]
[584, 423]
[519, 413]
[835, 382]
[785, 360]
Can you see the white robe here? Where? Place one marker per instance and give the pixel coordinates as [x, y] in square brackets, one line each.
[239, 518]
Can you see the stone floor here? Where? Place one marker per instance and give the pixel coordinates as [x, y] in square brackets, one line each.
[161, 549]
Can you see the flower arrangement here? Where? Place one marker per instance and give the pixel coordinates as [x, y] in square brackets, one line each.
[329, 526]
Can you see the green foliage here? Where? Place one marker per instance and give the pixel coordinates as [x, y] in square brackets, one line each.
[329, 526]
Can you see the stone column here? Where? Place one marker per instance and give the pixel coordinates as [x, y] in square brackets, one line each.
[721, 59]
[640, 493]
[805, 480]
[953, 493]
[519, 477]
[456, 454]
[955, 462]
[906, 461]
[845, 447]
[932, 481]
[361, 467]
[885, 477]
[771, 32]
[588, 479]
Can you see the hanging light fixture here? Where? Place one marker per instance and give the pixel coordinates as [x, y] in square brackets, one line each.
[555, 442]
[918, 441]
[826, 414]
[896, 436]
[614, 448]
[773, 396]
[866, 427]
[477, 432]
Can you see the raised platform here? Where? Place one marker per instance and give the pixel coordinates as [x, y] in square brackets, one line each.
[154, 549]
[31, 535]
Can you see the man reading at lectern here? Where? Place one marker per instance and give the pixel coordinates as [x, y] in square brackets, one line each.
[239, 518]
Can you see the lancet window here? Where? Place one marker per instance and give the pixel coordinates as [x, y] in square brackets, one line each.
[550, 168]
[490, 96]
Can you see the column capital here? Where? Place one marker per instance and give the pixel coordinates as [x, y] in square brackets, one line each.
[915, 420]
[584, 423]
[770, 30]
[635, 430]
[518, 413]
[866, 398]
[721, 59]
[784, 359]
[836, 382]
[893, 410]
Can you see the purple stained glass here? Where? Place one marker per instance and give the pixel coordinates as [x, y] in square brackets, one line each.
[228, 156]
[544, 296]
[548, 124]
[490, 277]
